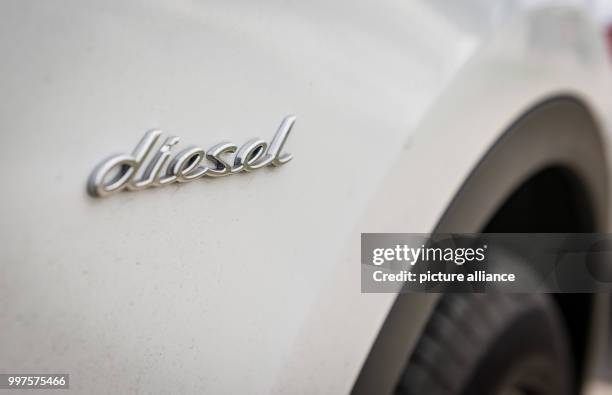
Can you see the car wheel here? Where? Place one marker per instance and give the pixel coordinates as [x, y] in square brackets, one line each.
[506, 344]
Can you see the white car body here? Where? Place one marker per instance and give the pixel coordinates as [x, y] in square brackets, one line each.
[250, 282]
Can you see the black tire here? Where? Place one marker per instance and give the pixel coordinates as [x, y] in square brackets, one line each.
[491, 344]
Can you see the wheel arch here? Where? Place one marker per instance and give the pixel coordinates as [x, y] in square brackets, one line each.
[559, 133]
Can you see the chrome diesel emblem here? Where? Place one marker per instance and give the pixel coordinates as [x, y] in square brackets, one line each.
[121, 171]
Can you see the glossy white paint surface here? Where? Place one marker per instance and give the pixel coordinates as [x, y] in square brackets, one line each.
[249, 283]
